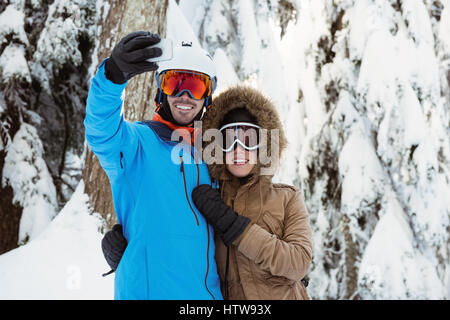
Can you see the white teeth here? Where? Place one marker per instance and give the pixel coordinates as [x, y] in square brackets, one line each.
[240, 161]
[184, 107]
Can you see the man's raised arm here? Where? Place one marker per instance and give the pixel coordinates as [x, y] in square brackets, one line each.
[106, 130]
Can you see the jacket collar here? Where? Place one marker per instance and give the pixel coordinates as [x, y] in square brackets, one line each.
[256, 178]
[164, 129]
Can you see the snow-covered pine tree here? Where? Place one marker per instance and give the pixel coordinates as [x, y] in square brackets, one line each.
[362, 87]
[378, 166]
[44, 56]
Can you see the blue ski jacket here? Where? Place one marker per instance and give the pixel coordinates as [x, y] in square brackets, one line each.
[170, 252]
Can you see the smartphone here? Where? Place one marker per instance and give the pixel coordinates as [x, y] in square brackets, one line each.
[167, 50]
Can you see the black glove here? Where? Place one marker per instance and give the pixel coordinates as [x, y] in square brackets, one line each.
[113, 247]
[223, 219]
[129, 56]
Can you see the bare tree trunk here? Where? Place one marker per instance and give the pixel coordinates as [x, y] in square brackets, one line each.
[124, 17]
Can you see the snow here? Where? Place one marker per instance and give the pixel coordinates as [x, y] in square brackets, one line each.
[193, 11]
[385, 129]
[391, 267]
[58, 41]
[225, 72]
[444, 29]
[362, 179]
[178, 28]
[63, 262]
[13, 63]
[11, 22]
[365, 18]
[419, 25]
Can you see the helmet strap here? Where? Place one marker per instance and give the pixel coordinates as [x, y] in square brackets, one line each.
[159, 96]
[158, 99]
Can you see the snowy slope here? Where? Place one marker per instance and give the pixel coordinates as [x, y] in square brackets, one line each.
[64, 262]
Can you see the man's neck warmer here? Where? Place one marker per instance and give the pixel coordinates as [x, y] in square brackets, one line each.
[188, 133]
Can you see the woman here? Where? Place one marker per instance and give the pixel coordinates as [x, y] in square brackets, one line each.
[263, 236]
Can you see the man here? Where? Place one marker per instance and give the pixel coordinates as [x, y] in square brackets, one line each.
[170, 251]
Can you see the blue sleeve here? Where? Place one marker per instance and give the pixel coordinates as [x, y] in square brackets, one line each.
[107, 132]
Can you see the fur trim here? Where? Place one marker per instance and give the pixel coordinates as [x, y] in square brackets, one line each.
[259, 106]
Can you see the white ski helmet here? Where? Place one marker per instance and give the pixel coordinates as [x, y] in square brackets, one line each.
[188, 57]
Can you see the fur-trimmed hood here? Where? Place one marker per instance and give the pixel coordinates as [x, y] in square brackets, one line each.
[265, 112]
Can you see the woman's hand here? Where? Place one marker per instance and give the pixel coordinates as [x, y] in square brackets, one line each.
[222, 218]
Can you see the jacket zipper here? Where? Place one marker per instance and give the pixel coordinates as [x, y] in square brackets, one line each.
[185, 190]
[207, 229]
[227, 264]
[126, 180]
[207, 264]
[196, 218]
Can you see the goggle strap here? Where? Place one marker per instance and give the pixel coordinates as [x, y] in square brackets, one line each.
[237, 124]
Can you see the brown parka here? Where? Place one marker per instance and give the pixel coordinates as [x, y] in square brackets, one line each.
[273, 254]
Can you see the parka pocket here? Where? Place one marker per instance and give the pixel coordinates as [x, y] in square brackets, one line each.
[271, 287]
[273, 280]
[273, 225]
[127, 182]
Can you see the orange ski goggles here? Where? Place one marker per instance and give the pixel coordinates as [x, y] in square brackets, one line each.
[176, 82]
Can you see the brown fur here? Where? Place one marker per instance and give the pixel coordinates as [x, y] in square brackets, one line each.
[257, 104]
